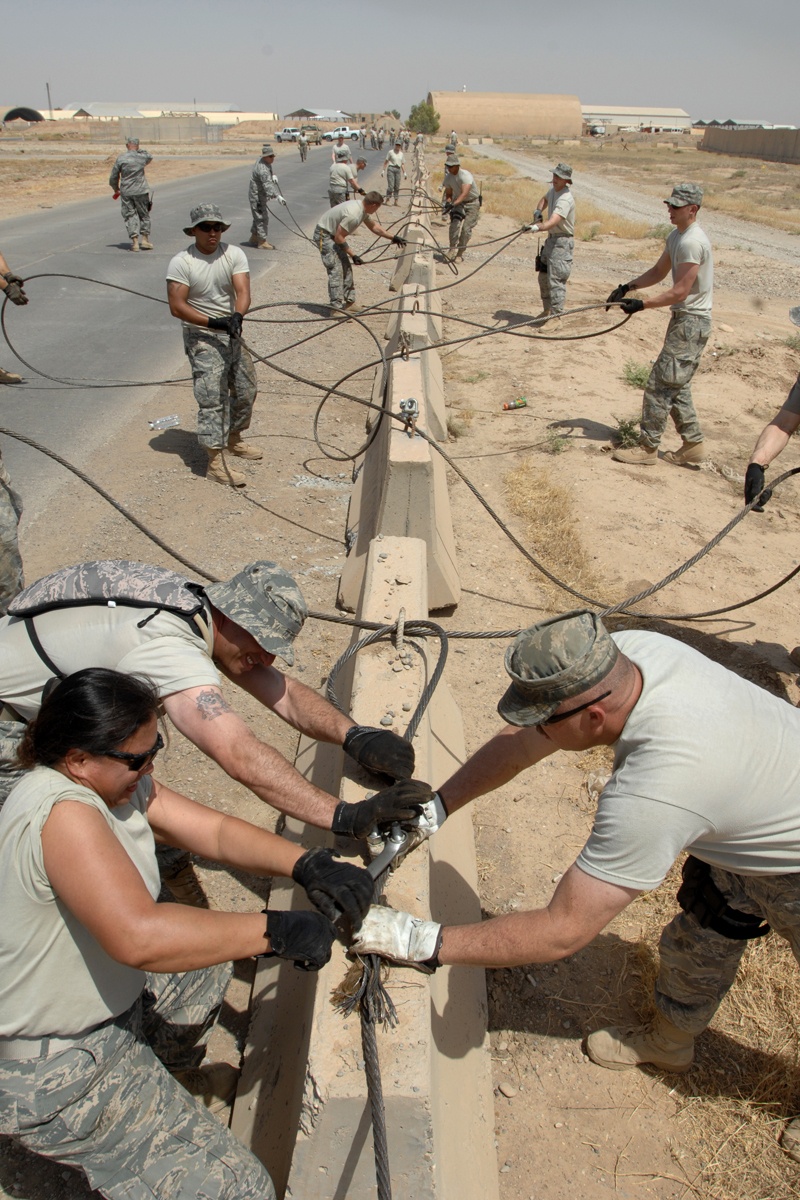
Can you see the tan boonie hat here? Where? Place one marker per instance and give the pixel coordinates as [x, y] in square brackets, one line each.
[563, 171]
[562, 657]
[685, 193]
[266, 150]
[264, 600]
[204, 212]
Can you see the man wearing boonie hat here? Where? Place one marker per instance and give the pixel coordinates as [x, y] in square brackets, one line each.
[668, 392]
[554, 265]
[704, 761]
[343, 178]
[462, 204]
[341, 151]
[393, 164]
[263, 187]
[243, 625]
[208, 287]
[128, 182]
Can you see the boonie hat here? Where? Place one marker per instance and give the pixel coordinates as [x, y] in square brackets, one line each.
[342, 154]
[563, 171]
[131, 141]
[685, 193]
[452, 160]
[204, 212]
[553, 660]
[264, 600]
[267, 149]
[450, 148]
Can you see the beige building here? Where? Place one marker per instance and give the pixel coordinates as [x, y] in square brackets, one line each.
[495, 113]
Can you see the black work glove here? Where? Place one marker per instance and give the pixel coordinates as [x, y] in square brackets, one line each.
[356, 260]
[632, 306]
[305, 937]
[754, 485]
[448, 204]
[401, 802]
[15, 294]
[457, 213]
[11, 277]
[335, 887]
[619, 293]
[538, 216]
[399, 241]
[381, 751]
[231, 325]
[361, 191]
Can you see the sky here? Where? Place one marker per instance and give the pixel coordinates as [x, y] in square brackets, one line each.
[714, 58]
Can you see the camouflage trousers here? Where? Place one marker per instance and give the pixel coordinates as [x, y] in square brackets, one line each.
[699, 966]
[557, 253]
[10, 560]
[393, 182]
[461, 231]
[259, 226]
[224, 385]
[669, 389]
[108, 1104]
[337, 196]
[337, 262]
[303, 147]
[136, 214]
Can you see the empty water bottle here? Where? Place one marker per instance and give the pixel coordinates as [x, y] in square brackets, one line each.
[165, 422]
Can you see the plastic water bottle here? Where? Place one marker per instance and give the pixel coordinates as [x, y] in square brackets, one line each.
[521, 403]
[165, 422]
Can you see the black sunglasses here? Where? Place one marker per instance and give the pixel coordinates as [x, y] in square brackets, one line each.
[211, 227]
[571, 711]
[136, 762]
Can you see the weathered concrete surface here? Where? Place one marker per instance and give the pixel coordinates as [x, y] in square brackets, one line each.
[435, 1064]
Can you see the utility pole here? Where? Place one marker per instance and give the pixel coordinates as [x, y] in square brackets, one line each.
[49, 101]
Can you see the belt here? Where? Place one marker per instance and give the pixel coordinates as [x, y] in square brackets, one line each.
[24, 1048]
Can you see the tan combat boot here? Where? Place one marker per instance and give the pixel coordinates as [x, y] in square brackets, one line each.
[213, 1084]
[659, 1043]
[9, 377]
[135, 242]
[183, 885]
[243, 449]
[690, 454]
[144, 242]
[637, 456]
[221, 471]
[265, 245]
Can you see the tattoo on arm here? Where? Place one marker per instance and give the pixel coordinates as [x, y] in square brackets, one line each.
[211, 704]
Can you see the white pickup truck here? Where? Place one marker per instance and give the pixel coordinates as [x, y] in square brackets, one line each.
[341, 131]
[288, 134]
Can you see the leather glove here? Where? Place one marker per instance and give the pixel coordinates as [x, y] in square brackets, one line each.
[280, 199]
[632, 306]
[432, 817]
[619, 293]
[361, 191]
[15, 293]
[407, 940]
[381, 751]
[335, 887]
[402, 802]
[457, 213]
[231, 325]
[399, 241]
[538, 215]
[357, 260]
[530, 228]
[305, 937]
[754, 485]
[446, 207]
[10, 277]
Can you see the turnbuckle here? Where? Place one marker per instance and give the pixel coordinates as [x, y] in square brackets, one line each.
[410, 411]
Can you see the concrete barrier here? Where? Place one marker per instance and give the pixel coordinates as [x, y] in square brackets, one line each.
[774, 145]
[302, 1104]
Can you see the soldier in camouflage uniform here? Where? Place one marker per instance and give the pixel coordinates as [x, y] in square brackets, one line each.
[302, 146]
[704, 762]
[462, 204]
[127, 179]
[554, 264]
[263, 188]
[668, 393]
[208, 286]
[99, 1056]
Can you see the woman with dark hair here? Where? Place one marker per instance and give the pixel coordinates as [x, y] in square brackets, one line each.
[107, 997]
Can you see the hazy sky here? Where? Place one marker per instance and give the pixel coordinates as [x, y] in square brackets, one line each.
[715, 58]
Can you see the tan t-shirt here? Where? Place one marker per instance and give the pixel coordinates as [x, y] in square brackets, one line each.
[209, 278]
[349, 215]
[563, 204]
[56, 980]
[692, 246]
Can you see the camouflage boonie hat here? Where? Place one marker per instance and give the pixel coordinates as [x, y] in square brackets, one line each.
[131, 141]
[264, 600]
[685, 193]
[563, 171]
[204, 212]
[450, 148]
[266, 149]
[552, 661]
[342, 154]
[452, 160]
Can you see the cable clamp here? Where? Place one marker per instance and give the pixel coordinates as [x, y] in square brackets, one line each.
[410, 411]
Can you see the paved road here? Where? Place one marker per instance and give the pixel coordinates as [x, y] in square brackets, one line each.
[80, 331]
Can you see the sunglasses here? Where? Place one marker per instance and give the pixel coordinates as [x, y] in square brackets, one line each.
[211, 227]
[571, 711]
[135, 762]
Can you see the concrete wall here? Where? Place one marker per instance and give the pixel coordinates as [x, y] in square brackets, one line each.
[496, 113]
[775, 145]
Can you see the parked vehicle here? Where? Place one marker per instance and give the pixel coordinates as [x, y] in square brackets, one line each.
[288, 134]
[341, 131]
